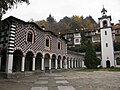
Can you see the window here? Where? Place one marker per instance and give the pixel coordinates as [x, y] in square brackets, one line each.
[106, 44]
[59, 45]
[77, 40]
[105, 32]
[47, 42]
[104, 23]
[30, 36]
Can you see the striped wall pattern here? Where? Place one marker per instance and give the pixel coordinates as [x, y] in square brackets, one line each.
[11, 39]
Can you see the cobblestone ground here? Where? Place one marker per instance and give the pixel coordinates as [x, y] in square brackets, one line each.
[70, 80]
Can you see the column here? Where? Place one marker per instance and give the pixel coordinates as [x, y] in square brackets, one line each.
[0, 62]
[69, 64]
[33, 66]
[65, 63]
[75, 63]
[49, 63]
[56, 64]
[23, 64]
[61, 63]
[42, 66]
[9, 63]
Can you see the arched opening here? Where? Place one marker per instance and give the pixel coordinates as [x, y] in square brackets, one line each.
[63, 62]
[46, 61]
[118, 61]
[74, 63]
[53, 61]
[28, 61]
[59, 58]
[67, 62]
[104, 23]
[17, 60]
[3, 60]
[38, 61]
[107, 64]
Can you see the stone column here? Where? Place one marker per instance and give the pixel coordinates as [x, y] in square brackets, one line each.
[33, 66]
[65, 63]
[50, 64]
[75, 63]
[23, 64]
[68, 63]
[61, 63]
[42, 66]
[9, 63]
[56, 64]
[71, 63]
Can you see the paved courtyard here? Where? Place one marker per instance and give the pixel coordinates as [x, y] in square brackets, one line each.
[70, 80]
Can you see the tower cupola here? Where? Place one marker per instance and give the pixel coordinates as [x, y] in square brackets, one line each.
[104, 11]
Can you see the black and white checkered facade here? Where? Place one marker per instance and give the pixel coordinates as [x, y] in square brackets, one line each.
[36, 54]
[16, 38]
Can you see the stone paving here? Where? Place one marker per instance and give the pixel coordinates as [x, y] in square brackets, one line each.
[52, 82]
[70, 80]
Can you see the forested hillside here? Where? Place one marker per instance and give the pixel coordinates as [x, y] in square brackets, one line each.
[67, 24]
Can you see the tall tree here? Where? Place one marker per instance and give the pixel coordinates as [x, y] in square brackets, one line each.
[91, 60]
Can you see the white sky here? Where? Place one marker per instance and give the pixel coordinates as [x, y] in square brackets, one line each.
[40, 9]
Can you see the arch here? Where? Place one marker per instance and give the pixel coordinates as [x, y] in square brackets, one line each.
[59, 58]
[46, 61]
[30, 35]
[67, 62]
[107, 64]
[17, 60]
[53, 61]
[28, 61]
[38, 61]
[3, 59]
[105, 23]
[118, 61]
[63, 61]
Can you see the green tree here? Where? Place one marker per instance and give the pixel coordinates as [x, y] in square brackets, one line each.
[8, 4]
[91, 60]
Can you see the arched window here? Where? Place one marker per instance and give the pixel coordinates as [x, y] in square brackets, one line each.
[30, 36]
[104, 23]
[47, 42]
[59, 45]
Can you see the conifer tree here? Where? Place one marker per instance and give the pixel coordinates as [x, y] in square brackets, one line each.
[91, 61]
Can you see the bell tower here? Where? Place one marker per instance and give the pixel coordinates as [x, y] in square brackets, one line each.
[106, 40]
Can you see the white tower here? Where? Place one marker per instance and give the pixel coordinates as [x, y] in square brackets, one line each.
[106, 40]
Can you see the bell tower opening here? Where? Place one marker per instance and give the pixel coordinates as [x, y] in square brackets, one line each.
[104, 23]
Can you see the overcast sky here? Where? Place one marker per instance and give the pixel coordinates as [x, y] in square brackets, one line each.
[40, 9]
